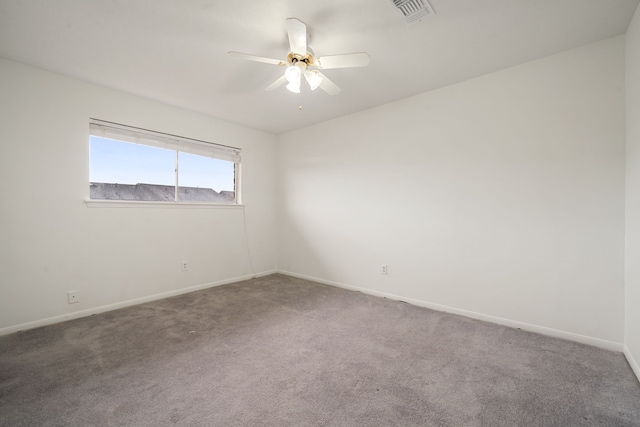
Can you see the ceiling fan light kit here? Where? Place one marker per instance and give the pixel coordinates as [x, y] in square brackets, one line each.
[293, 74]
[314, 78]
[301, 62]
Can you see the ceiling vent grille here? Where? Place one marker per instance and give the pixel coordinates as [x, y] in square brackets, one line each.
[413, 10]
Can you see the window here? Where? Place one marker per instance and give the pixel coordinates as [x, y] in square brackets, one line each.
[128, 163]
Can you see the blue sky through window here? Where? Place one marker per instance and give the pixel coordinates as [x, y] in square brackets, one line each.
[205, 172]
[121, 162]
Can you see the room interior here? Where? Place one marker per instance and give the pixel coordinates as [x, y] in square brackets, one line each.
[488, 155]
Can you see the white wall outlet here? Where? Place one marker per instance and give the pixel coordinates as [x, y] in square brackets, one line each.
[185, 266]
[384, 269]
[74, 297]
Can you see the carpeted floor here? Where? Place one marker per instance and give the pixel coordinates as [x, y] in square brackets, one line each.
[280, 351]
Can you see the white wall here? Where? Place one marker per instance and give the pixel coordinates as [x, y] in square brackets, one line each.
[632, 253]
[51, 242]
[501, 197]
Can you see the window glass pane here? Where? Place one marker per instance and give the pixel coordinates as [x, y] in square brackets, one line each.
[124, 171]
[203, 179]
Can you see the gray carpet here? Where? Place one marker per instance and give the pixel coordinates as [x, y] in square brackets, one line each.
[279, 351]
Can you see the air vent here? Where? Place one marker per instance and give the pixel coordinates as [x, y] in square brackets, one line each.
[413, 10]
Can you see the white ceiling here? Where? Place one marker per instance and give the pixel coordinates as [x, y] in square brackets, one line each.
[175, 51]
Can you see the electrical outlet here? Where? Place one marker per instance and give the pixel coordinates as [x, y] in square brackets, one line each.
[74, 297]
[384, 269]
[185, 266]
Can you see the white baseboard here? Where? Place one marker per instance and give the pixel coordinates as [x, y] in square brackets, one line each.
[583, 339]
[128, 303]
[632, 362]
[609, 345]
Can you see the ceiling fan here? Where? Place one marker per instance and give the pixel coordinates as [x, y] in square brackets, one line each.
[302, 63]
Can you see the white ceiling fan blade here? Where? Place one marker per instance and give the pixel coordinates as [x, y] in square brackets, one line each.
[258, 58]
[297, 31]
[328, 86]
[279, 82]
[360, 59]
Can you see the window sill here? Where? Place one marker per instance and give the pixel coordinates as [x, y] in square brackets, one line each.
[171, 205]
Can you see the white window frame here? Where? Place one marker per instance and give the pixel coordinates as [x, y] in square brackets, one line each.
[120, 132]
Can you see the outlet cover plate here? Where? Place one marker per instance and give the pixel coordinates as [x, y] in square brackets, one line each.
[74, 297]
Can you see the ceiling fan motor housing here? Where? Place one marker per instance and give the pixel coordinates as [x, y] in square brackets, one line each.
[294, 58]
